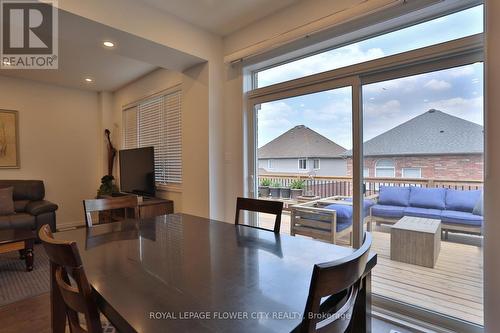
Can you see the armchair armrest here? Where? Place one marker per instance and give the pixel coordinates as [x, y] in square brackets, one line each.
[39, 207]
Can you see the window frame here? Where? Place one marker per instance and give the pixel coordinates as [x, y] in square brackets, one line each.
[319, 164]
[411, 168]
[379, 167]
[270, 163]
[177, 88]
[305, 164]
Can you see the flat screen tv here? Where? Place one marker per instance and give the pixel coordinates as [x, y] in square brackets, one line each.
[137, 171]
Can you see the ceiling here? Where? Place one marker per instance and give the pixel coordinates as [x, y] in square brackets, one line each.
[82, 55]
[221, 17]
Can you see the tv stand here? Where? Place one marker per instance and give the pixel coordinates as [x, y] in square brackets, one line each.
[151, 206]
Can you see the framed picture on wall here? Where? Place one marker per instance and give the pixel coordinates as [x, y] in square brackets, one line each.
[9, 139]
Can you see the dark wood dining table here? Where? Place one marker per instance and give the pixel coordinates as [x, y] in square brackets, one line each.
[182, 273]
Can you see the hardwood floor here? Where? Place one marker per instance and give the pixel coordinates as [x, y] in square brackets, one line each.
[453, 287]
[31, 315]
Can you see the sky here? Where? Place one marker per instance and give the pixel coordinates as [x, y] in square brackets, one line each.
[457, 91]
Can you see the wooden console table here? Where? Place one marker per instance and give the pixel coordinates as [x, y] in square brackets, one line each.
[155, 207]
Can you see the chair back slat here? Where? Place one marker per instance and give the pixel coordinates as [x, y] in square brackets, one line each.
[107, 204]
[79, 298]
[260, 206]
[339, 282]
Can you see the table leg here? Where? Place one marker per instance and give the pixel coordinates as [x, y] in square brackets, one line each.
[28, 254]
[58, 313]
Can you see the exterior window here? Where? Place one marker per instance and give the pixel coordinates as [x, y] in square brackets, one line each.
[157, 122]
[411, 173]
[271, 164]
[366, 172]
[385, 168]
[316, 164]
[302, 164]
[386, 45]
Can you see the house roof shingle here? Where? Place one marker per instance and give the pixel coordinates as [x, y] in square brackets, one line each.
[431, 133]
[300, 141]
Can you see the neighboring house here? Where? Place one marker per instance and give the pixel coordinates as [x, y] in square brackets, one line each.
[433, 145]
[301, 150]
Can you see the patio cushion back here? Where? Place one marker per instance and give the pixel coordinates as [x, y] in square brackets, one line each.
[394, 196]
[463, 201]
[427, 197]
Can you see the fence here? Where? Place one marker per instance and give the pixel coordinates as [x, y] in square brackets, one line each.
[330, 186]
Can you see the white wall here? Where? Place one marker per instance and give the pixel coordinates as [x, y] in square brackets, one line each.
[59, 144]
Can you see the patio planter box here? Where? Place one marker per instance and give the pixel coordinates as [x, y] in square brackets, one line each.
[275, 192]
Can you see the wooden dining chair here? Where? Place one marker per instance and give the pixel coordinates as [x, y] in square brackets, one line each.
[127, 203]
[339, 282]
[77, 295]
[260, 206]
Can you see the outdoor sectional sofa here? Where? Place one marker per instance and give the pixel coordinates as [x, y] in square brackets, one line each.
[458, 210]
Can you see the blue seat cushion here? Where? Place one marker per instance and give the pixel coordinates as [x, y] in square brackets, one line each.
[394, 196]
[343, 224]
[388, 211]
[423, 212]
[345, 211]
[463, 201]
[453, 216]
[427, 197]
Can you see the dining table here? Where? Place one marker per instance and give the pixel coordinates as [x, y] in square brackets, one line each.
[184, 273]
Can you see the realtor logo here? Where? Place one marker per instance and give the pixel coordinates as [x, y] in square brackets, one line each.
[29, 34]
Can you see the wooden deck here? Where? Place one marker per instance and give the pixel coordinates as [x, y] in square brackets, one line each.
[454, 287]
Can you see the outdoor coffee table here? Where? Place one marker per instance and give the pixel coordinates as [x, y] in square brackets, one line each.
[416, 240]
[21, 240]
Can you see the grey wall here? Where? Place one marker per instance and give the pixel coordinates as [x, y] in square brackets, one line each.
[328, 166]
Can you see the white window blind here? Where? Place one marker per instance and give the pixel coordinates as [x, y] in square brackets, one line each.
[156, 122]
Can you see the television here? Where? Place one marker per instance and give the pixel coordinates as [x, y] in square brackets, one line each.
[137, 171]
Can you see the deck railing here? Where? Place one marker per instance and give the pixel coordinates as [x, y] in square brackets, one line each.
[327, 186]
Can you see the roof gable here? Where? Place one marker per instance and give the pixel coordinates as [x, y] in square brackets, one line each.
[431, 133]
[300, 141]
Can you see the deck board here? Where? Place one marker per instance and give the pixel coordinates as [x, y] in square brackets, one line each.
[454, 287]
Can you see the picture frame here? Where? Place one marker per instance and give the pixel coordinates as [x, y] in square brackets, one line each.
[9, 139]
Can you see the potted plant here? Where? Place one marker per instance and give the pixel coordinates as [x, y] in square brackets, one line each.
[285, 192]
[297, 188]
[264, 188]
[107, 187]
[275, 189]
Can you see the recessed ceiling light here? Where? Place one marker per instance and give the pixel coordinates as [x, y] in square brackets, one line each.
[108, 43]
[89, 79]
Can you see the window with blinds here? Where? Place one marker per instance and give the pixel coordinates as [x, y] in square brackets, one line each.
[156, 122]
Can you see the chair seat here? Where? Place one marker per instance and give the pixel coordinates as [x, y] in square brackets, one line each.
[452, 216]
[17, 221]
[388, 211]
[423, 212]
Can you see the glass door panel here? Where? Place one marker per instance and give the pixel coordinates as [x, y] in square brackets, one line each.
[300, 154]
[423, 167]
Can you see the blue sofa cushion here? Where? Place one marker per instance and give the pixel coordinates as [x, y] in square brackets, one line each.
[478, 208]
[427, 197]
[388, 211]
[343, 224]
[345, 211]
[463, 201]
[453, 216]
[423, 212]
[394, 196]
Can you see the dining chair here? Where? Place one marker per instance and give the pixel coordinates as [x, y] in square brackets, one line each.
[339, 282]
[260, 206]
[77, 295]
[98, 205]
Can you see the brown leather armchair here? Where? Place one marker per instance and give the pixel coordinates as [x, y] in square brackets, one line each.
[31, 210]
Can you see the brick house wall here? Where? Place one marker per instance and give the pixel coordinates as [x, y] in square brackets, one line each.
[454, 167]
